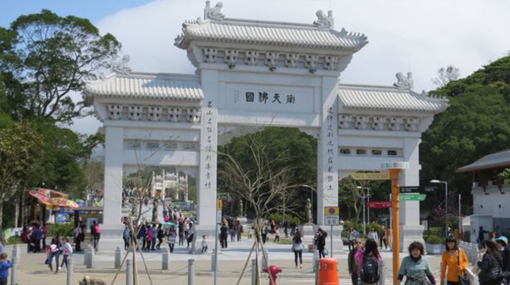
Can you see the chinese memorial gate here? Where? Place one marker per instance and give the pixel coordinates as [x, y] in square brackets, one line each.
[253, 74]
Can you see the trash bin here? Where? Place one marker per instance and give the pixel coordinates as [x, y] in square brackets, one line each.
[328, 272]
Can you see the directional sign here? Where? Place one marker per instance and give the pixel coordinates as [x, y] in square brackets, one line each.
[379, 204]
[331, 216]
[395, 164]
[412, 197]
[371, 176]
[415, 189]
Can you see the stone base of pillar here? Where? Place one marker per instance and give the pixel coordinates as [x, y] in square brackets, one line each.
[111, 238]
[409, 234]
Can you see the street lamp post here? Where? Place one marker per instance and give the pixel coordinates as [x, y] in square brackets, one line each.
[364, 197]
[435, 181]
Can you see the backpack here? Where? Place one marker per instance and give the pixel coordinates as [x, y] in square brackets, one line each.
[97, 230]
[370, 269]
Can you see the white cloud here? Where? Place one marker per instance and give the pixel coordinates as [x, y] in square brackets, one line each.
[422, 34]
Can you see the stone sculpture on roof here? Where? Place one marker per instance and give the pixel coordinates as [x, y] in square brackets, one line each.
[213, 13]
[324, 21]
[120, 66]
[404, 82]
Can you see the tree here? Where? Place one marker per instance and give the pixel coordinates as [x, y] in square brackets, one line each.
[505, 174]
[476, 124]
[19, 152]
[47, 59]
[93, 172]
[446, 75]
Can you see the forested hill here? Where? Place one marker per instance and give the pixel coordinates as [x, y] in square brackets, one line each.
[477, 123]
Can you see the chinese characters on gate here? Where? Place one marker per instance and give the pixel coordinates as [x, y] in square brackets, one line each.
[330, 149]
[267, 98]
[208, 144]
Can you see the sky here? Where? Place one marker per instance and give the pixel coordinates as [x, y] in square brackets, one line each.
[418, 36]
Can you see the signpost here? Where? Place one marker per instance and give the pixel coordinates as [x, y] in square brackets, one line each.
[395, 169]
[371, 176]
[379, 204]
[416, 189]
[412, 197]
[219, 206]
[331, 218]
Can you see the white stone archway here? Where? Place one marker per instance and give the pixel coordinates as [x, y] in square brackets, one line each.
[260, 73]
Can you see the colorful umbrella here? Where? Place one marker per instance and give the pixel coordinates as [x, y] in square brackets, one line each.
[40, 197]
[167, 224]
[64, 203]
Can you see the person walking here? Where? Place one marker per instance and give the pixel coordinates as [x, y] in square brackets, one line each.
[369, 263]
[154, 237]
[171, 239]
[126, 235]
[149, 238]
[77, 237]
[353, 235]
[54, 252]
[416, 267]
[297, 248]
[181, 230]
[44, 235]
[233, 231]
[160, 236]
[141, 236]
[505, 252]
[383, 238]
[286, 228]
[352, 265]
[96, 235]
[240, 230]
[263, 233]
[320, 241]
[67, 251]
[276, 235]
[191, 234]
[224, 235]
[5, 264]
[491, 265]
[373, 234]
[455, 260]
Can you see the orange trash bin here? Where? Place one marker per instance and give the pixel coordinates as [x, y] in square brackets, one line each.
[328, 272]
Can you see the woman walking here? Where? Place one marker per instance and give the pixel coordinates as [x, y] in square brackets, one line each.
[416, 267]
[320, 241]
[297, 248]
[369, 263]
[352, 266]
[171, 239]
[455, 260]
[160, 236]
[491, 265]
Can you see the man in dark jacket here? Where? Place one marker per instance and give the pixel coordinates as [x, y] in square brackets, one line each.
[505, 252]
[351, 261]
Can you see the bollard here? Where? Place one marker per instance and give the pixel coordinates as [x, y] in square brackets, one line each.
[89, 257]
[191, 272]
[14, 271]
[129, 272]
[316, 270]
[213, 261]
[265, 259]
[117, 258]
[16, 251]
[253, 272]
[70, 269]
[164, 264]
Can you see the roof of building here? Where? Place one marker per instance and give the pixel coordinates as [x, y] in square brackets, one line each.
[494, 160]
[389, 98]
[162, 86]
[269, 33]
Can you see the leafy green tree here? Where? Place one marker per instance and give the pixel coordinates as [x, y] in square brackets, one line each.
[19, 153]
[477, 123]
[47, 58]
[505, 174]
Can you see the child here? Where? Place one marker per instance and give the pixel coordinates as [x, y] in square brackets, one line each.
[68, 250]
[171, 240]
[5, 264]
[276, 235]
[52, 252]
[204, 244]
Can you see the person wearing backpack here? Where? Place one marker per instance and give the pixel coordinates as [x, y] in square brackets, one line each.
[455, 260]
[491, 272]
[352, 263]
[96, 235]
[369, 262]
[416, 267]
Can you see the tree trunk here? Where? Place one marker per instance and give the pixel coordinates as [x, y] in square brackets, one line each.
[1, 215]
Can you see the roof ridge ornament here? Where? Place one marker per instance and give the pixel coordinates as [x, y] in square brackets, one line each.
[120, 66]
[324, 21]
[405, 83]
[213, 13]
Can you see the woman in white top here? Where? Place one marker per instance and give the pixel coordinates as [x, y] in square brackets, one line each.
[373, 235]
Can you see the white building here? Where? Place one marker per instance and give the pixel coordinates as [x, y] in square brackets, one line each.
[491, 195]
[250, 74]
[166, 183]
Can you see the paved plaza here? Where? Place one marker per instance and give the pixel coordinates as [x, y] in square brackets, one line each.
[32, 269]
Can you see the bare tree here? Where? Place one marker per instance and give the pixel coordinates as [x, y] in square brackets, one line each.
[94, 177]
[445, 75]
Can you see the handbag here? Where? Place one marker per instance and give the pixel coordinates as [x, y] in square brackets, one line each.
[463, 278]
